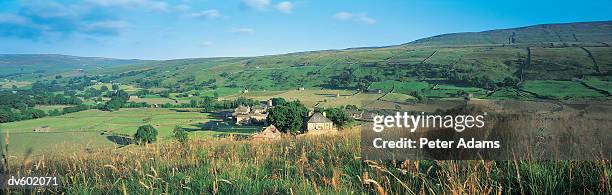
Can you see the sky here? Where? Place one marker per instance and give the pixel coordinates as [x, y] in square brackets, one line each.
[155, 29]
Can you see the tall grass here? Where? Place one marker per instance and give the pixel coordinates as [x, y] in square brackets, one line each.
[322, 165]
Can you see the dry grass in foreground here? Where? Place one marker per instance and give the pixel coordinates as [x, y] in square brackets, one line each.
[322, 165]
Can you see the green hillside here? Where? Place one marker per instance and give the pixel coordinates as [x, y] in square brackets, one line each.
[476, 63]
[581, 32]
[15, 64]
[489, 63]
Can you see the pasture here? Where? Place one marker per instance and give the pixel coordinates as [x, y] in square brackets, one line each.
[8, 84]
[127, 88]
[84, 130]
[312, 97]
[559, 89]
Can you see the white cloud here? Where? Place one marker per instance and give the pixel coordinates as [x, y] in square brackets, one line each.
[206, 44]
[343, 16]
[105, 27]
[13, 19]
[285, 7]
[182, 8]
[366, 19]
[208, 14]
[256, 4]
[153, 5]
[243, 30]
[358, 17]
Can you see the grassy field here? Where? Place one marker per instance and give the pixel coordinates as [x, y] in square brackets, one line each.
[325, 165]
[599, 84]
[82, 130]
[124, 87]
[8, 84]
[157, 100]
[434, 89]
[312, 97]
[559, 89]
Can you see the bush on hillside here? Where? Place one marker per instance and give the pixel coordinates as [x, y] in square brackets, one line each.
[145, 134]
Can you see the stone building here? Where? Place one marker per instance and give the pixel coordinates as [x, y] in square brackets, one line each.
[245, 115]
[319, 123]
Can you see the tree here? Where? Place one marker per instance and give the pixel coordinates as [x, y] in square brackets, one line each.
[181, 135]
[34, 113]
[6, 115]
[117, 100]
[113, 104]
[104, 88]
[277, 101]
[208, 104]
[54, 112]
[115, 87]
[193, 103]
[338, 116]
[289, 117]
[165, 94]
[145, 134]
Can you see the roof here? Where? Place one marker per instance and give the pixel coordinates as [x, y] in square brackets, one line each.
[318, 118]
[271, 129]
[242, 109]
[270, 132]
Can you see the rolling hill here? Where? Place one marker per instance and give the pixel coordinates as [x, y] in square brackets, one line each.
[474, 61]
[580, 32]
[464, 59]
[12, 64]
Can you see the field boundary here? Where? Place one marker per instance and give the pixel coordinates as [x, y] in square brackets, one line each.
[592, 58]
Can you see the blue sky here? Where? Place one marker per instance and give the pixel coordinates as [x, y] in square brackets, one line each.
[154, 29]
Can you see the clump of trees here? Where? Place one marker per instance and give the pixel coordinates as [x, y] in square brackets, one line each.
[288, 117]
[19, 105]
[339, 116]
[118, 99]
[210, 104]
[145, 134]
[349, 79]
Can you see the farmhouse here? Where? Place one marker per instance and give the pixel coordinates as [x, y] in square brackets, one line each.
[319, 124]
[268, 133]
[245, 115]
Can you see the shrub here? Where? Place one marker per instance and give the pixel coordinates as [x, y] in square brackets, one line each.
[181, 135]
[145, 134]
